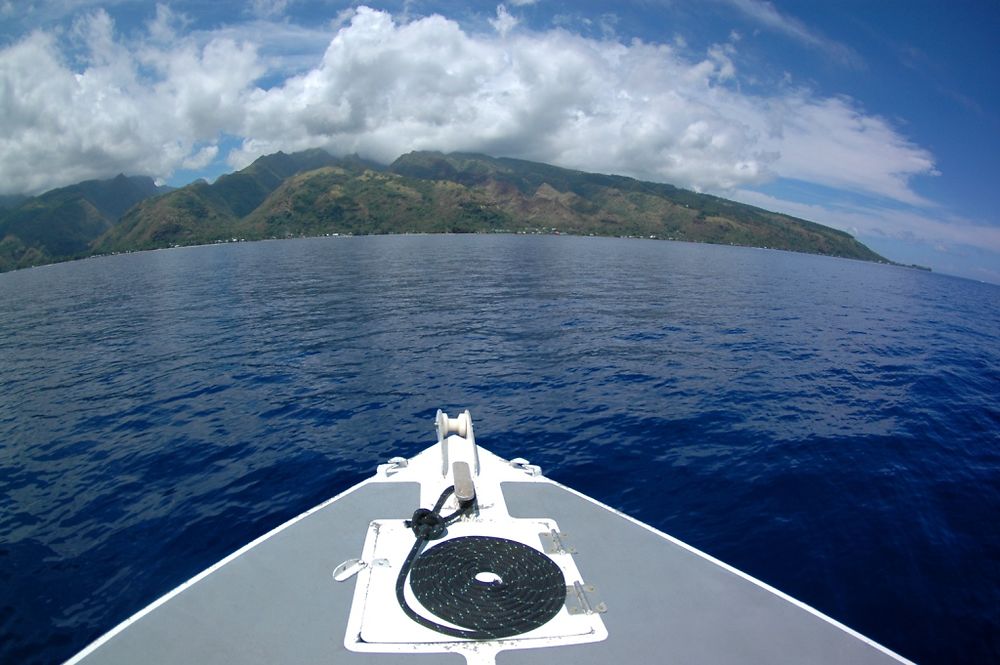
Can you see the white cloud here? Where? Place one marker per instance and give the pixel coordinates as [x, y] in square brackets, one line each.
[504, 22]
[765, 14]
[833, 143]
[641, 109]
[384, 87]
[285, 49]
[60, 126]
[268, 8]
[949, 243]
[942, 232]
[166, 25]
[201, 158]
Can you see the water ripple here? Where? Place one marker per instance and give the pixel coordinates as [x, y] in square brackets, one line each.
[829, 426]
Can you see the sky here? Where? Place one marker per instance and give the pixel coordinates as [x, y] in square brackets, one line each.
[878, 118]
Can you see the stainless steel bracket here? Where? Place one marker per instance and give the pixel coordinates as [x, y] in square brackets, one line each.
[554, 542]
[583, 599]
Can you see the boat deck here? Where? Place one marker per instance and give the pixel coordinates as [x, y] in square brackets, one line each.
[275, 600]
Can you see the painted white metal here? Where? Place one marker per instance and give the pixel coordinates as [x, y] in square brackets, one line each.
[378, 624]
[736, 571]
[459, 447]
[489, 472]
[383, 621]
[162, 600]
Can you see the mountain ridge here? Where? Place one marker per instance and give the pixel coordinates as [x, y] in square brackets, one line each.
[62, 223]
[314, 193]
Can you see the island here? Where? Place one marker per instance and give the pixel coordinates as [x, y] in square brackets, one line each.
[313, 193]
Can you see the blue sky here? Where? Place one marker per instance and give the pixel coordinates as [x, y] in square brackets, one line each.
[879, 118]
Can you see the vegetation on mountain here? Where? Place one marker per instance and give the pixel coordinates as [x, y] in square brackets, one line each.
[337, 200]
[428, 192]
[8, 201]
[202, 213]
[544, 196]
[313, 193]
[62, 224]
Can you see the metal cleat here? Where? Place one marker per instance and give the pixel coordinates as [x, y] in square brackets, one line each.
[523, 465]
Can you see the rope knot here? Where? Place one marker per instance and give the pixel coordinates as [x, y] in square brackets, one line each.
[426, 524]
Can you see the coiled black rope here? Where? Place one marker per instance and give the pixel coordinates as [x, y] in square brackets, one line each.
[492, 587]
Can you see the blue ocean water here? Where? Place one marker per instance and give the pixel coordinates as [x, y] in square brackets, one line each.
[829, 426]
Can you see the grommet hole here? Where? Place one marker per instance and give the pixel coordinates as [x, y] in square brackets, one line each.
[487, 578]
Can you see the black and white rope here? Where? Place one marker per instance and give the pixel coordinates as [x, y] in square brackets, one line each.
[492, 587]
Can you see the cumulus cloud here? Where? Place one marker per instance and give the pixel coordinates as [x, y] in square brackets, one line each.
[640, 109]
[384, 87]
[60, 126]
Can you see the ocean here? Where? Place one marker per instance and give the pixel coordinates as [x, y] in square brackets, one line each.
[830, 427]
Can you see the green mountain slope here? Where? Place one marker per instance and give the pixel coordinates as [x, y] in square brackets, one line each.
[62, 223]
[541, 196]
[430, 192]
[314, 193]
[202, 212]
[340, 201]
[8, 201]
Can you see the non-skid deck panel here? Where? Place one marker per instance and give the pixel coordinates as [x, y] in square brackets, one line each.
[275, 603]
[667, 604]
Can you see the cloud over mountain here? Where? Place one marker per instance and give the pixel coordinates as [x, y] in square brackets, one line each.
[147, 107]
[162, 100]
